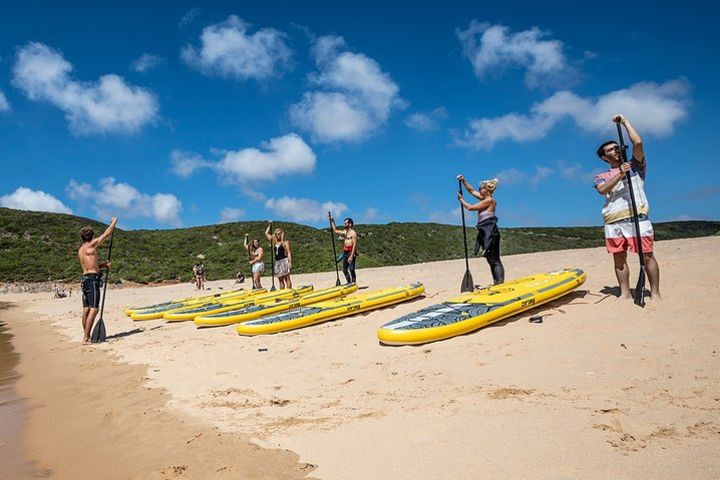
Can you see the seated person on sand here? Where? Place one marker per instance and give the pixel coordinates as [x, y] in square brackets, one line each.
[57, 293]
[91, 278]
[255, 254]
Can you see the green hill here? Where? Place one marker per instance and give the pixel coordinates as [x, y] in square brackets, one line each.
[39, 246]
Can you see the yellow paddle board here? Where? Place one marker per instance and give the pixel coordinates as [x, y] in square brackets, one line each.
[256, 311]
[188, 300]
[189, 313]
[323, 311]
[157, 311]
[474, 310]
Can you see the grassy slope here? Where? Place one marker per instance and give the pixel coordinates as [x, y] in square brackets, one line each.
[40, 246]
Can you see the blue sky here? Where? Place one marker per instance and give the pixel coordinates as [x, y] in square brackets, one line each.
[184, 115]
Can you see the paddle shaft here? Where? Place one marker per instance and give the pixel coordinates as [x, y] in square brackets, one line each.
[628, 177]
[467, 284]
[272, 258]
[332, 240]
[462, 211]
[250, 256]
[107, 276]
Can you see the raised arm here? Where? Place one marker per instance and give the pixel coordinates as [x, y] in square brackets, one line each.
[334, 228]
[468, 186]
[246, 242]
[268, 235]
[106, 234]
[638, 151]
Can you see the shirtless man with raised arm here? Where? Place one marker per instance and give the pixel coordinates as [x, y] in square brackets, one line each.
[349, 247]
[90, 280]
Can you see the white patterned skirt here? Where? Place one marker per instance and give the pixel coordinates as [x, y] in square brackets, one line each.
[282, 267]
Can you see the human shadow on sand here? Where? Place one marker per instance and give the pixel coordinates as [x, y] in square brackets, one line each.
[124, 334]
[615, 291]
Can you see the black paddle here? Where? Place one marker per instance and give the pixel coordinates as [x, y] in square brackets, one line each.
[467, 281]
[640, 287]
[98, 334]
[250, 257]
[272, 258]
[332, 240]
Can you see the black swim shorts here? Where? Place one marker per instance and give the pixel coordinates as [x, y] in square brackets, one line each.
[90, 285]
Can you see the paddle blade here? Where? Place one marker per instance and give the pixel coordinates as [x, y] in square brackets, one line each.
[467, 283]
[640, 289]
[337, 282]
[98, 333]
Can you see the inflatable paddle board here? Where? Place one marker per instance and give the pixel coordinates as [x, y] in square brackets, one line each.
[158, 312]
[323, 311]
[474, 310]
[189, 313]
[187, 301]
[256, 311]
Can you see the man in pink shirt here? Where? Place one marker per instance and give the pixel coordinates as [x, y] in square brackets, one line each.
[620, 233]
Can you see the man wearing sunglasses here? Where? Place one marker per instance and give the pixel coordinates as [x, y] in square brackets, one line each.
[617, 213]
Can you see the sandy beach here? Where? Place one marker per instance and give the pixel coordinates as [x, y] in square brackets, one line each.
[601, 389]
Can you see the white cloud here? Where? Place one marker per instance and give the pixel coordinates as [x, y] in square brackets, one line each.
[449, 217]
[231, 214]
[36, 200]
[189, 18]
[355, 98]
[513, 176]
[653, 109]
[4, 105]
[685, 217]
[303, 209]
[492, 48]
[79, 191]
[184, 164]
[572, 172]
[166, 208]
[124, 200]
[147, 61]
[288, 155]
[369, 215]
[575, 173]
[108, 105]
[426, 121]
[227, 50]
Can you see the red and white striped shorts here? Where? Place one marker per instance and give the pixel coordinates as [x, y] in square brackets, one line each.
[620, 236]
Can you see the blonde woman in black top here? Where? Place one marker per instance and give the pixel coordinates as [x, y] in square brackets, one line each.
[283, 255]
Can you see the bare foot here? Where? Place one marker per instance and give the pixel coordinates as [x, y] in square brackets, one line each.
[86, 341]
[655, 296]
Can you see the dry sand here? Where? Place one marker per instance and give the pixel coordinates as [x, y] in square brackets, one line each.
[601, 389]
